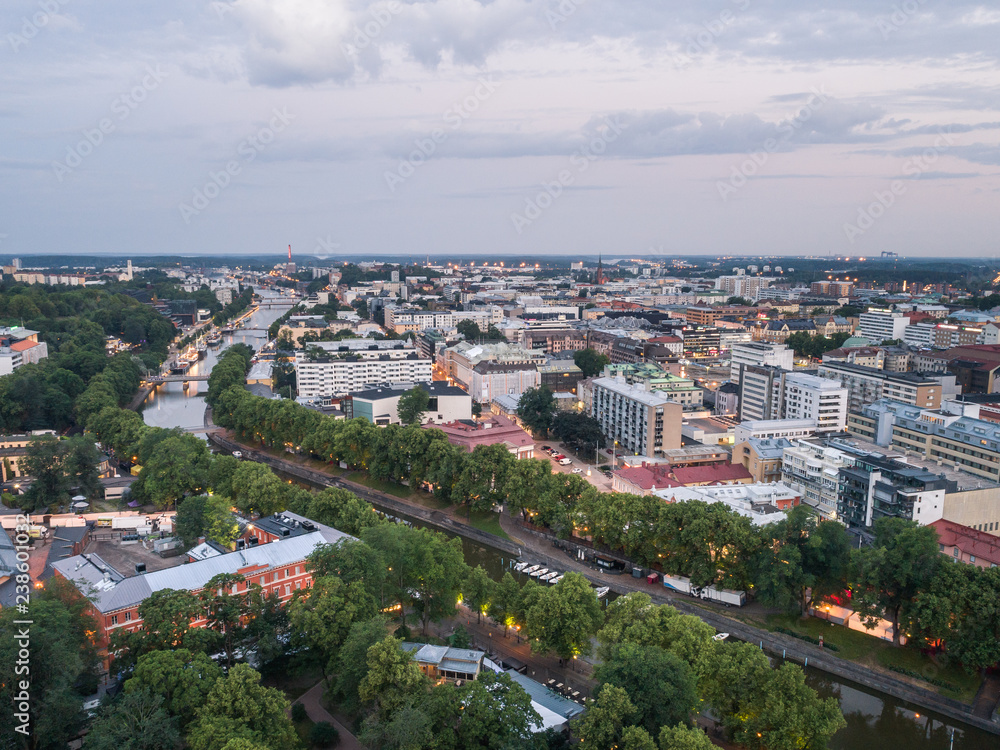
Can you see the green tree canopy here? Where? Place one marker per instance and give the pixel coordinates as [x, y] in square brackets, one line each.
[564, 618]
[181, 678]
[536, 409]
[136, 720]
[413, 405]
[591, 362]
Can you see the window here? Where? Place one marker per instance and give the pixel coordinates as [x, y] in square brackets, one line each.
[114, 619]
[972, 558]
[128, 617]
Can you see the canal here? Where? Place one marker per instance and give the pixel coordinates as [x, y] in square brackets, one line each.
[874, 720]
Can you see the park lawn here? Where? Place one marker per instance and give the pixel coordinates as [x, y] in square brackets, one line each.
[870, 651]
[389, 488]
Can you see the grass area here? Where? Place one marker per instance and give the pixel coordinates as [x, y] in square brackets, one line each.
[953, 681]
[389, 488]
[486, 521]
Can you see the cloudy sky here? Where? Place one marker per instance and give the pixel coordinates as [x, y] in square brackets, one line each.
[503, 126]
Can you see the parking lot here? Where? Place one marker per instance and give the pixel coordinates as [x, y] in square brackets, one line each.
[596, 478]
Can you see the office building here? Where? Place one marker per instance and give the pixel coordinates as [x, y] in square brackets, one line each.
[769, 393]
[325, 373]
[866, 385]
[380, 405]
[639, 421]
[488, 370]
[762, 457]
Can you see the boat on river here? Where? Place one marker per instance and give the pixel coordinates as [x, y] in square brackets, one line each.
[214, 338]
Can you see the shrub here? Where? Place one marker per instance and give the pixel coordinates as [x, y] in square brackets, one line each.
[324, 734]
[298, 712]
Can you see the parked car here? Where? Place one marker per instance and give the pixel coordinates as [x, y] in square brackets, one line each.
[564, 461]
[558, 456]
[237, 454]
[578, 470]
[547, 448]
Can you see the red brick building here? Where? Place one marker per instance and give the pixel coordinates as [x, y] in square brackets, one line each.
[489, 431]
[968, 545]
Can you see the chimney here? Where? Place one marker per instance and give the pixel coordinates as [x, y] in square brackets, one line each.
[201, 540]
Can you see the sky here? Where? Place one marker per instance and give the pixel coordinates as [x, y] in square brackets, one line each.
[564, 127]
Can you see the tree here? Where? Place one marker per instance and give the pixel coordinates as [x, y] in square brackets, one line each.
[352, 660]
[477, 591]
[636, 738]
[412, 405]
[634, 619]
[177, 466]
[739, 301]
[323, 615]
[226, 610]
[182, 679]
[786, 714]
[469, 329]
[581, 432]
[80, 465]
[503, 603]
[483, 477]
[564, 618]
[602, 725]
[683, 737]
[43, 461]
[409, 728]
[536, 409]
[135, 721]
[256, 489]
[351, 560]
[659, 684]
[392, 678]
[591, 362]
[166, 624]
[728, 672]
[496, 713]
[889, 576]
[239, 707]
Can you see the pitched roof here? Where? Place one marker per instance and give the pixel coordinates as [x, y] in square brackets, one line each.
[985, 547]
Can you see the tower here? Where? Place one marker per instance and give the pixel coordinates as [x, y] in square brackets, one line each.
[128, 271]
[599, 278]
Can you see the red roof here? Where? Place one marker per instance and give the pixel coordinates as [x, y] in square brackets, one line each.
[20, 346]
[664, 475]
[985, 547]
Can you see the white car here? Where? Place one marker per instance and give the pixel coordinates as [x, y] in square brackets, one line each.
[578, 470]
[237, 454]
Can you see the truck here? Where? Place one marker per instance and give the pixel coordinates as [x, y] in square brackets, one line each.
[677, 583]
[729, 597]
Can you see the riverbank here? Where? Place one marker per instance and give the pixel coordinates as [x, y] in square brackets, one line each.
[540, 548]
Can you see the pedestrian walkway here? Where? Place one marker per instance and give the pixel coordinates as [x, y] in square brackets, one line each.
[313, 701]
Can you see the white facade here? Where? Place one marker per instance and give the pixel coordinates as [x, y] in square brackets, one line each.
[758, 502]
[759, 353]
[882, 325]
[640, 421]
[424, 320]
[817, 399]
[742, 285]
[774, 428]
[336, 376]
[814, 470]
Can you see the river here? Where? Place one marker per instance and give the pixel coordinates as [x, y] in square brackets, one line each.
[874, 720]
[170, 405]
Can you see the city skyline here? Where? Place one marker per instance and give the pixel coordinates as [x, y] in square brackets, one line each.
[562, 129]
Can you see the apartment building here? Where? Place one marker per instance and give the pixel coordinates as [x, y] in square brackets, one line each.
[866, 385]
[402, 320]
[640, 421]
[880, 325]
[326, 373]
[942, 335]
[813, 468]
[775, 428]
[744, 286]
[759, 353]
[878, 487]
[489, 370]
[832, 288]
[655, 378]
[778, 331]
[552, 340]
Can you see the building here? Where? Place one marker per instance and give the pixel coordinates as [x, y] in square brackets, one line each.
[952, 438]
[727, 399]
[647, 478]
[879, 487]
[942, 335]
[867, 384]
[769, 393]
[761, 503]
[880, 325]
[963, 544]
[640, 421]
[774, 428]
[488, 370]
[762, 457]
[832, 288]
[446, 663]
[552, 340]
[742, 285]
[759, 353]
[447, 403]
[492, 430]
[279, 567]
[778, 331]
[813, 468]
[560, 375]
[20, 346]
[865, 356]
[655, 378]
[402, 320]
[333, 369]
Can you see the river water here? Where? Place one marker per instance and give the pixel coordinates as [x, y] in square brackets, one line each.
[170, 405]
[874, 720]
